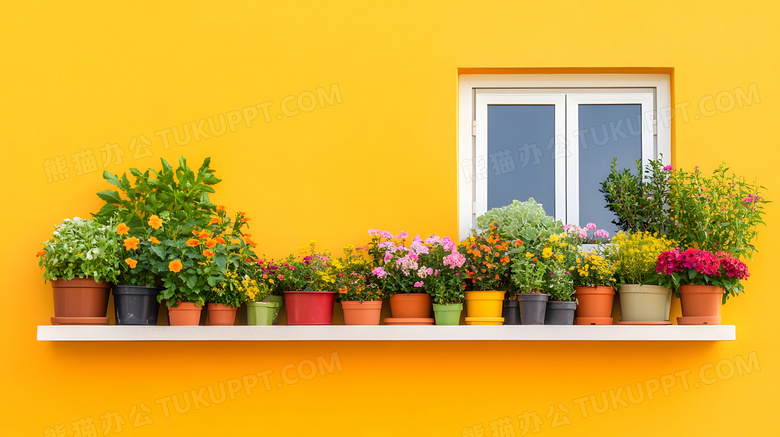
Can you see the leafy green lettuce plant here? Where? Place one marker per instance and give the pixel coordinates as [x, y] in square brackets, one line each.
[81, 249]
[524, 221]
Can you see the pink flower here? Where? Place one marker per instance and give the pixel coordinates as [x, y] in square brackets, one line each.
[590, 226]
[379, 272]
[385, 234]
[385, 244]
[454, 260]
[668, 168]
[433, 239]
[402, 235]
[372, 232]
[419, 247]
[418, 284]
[601, 233]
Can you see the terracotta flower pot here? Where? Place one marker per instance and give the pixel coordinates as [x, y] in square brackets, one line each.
[411, 306]
[309, 307]
[644, 303]
[186, 314]
[80, 297]
[484, 303]
[595, 305]
[361, 313]
[221, 315]
[700, 304]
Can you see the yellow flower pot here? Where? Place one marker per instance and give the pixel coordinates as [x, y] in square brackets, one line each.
[484, 303]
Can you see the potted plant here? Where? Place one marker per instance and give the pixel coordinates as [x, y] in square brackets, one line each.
[396, 269]
[634, 256]
[524, 221]
[560, 253]
[270, 300]
[704, 282]
[594, 281]
[80, 260]
[440, 274]
[177, 203]
[306, 285]
[228, 249]
[361, 299]
[487, 279]
[135, 295]
[529, 275]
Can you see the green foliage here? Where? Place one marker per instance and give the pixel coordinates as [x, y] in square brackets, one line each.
[81, 249]
[639, 201]
[524, 221]
[721, 212]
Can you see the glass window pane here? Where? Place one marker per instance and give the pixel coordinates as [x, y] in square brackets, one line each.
[520, 155]
[605, 132]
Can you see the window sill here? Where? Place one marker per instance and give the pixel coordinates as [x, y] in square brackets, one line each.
[387, 333]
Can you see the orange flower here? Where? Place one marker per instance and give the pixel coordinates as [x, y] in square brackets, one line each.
[221, 208]
[207, 253]
[214, 220]
[342, 290]
[195, 232]
[192, 242]
[175, 266]
[251, 242]
[246, 219]
[131, 243]
[241, 213]
[246, 235]
[154, 240]
[504, 260]
[122, 229]
[41, 252]
[221, 240]
[535, 259]
[155, 222]
[131, 262]
[211, 243]
[203, 235]
[494, 225]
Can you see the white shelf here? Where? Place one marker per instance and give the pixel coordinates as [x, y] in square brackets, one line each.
[386, 333]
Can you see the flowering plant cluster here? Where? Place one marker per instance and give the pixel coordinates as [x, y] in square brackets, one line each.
[715, 213]
[580, 236]
[236, 288]
[635, 256]
[700, 267]
[81, 249]
[488, 266]
[546, 267]
[309, 271]
[433, 265]
[352, 277]
[593, 269]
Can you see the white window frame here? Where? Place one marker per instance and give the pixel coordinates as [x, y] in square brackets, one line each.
[547, 89]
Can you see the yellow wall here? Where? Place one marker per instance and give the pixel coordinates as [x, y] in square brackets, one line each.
[76, 77]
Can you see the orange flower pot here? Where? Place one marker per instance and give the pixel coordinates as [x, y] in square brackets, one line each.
[80, 297]
[700, 304]
[186, 314]
[361, 313]
[221, 315]
[411, 306]
[595, 305]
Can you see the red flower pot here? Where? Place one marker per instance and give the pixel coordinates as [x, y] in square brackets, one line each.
[309, 307]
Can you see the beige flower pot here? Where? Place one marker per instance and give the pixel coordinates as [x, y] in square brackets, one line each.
[644, 303]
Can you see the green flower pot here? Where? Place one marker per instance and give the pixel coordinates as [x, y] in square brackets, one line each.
[262, 313]
[448, 314]
[280, 300]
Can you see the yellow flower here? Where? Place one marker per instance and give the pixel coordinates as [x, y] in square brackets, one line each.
[547, 252]
[529, 255]
[553, 238]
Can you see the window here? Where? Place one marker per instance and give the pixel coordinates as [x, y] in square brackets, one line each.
[553, 138]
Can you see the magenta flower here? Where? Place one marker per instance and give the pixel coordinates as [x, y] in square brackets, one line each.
[590, 226]
[418, 284]
[402, 235]
[668, 168]
[601, 233]
[379, 272]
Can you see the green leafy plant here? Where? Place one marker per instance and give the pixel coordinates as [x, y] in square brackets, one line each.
[524, 221]
[635, 255]
[721, 212]
[81, 249]
[238, 286]
[546, 267]
[640, 201]
[529, 274]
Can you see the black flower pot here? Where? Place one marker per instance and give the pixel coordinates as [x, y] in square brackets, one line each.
[135, 305]
[532, 308]
[560, 313]
[511, 312]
